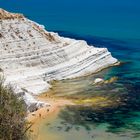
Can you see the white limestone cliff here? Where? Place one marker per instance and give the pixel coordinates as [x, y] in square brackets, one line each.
[30, 56]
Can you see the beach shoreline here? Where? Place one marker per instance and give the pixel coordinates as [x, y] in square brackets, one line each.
[46, 114]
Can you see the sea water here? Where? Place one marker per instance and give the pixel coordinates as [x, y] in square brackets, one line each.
[114, 24]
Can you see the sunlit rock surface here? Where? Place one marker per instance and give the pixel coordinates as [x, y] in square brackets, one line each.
[30, 56]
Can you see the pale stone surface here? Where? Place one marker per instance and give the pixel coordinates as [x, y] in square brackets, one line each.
[30, 56]
[98, 80]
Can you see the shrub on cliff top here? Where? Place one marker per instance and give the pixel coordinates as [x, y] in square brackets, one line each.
[12, 114]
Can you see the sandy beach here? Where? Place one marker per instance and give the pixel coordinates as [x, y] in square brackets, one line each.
[45, 114]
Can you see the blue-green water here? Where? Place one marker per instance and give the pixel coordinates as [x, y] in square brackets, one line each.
[114, 24]
[111, 18]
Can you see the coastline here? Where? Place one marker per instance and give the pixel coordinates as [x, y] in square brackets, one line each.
[47, 56]
[111, 25]
[49, 113]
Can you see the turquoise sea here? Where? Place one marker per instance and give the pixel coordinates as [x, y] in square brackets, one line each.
[114, 24]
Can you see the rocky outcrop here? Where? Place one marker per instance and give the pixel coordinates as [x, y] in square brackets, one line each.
[30, 56]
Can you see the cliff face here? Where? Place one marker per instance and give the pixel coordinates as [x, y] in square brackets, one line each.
[30, 56]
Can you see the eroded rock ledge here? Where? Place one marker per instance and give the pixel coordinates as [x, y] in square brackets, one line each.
[30, 56]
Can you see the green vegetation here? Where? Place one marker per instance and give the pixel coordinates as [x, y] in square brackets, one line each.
[12, 115]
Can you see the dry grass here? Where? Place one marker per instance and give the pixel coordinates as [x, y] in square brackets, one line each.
[6, 15]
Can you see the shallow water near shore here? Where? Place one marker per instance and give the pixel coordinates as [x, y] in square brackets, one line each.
[105, 111]
[114, 112]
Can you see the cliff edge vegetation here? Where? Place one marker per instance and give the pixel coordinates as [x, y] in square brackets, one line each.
[12, 114]
[6, 15]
